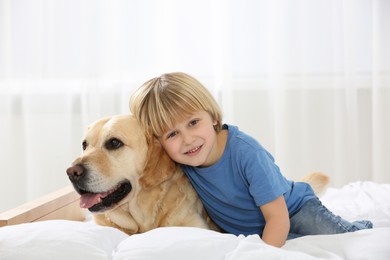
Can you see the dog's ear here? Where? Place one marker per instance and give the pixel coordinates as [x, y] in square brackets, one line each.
[158, 166]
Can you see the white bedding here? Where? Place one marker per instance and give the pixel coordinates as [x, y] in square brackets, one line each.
[77, 240]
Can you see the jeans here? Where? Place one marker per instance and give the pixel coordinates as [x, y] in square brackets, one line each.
[315, 219]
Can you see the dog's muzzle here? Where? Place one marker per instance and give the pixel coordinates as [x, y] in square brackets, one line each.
[96, 202]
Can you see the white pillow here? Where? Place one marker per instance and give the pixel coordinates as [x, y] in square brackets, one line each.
[58, 239]
[187, 243]
[182, 243]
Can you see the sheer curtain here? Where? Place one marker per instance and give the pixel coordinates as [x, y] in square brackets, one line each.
[310, 79]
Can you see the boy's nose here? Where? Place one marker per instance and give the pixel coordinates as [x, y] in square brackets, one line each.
[187, 138]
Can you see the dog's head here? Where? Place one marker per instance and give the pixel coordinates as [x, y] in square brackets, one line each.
[116, 162]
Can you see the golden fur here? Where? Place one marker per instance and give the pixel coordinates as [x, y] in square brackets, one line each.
[116, 151]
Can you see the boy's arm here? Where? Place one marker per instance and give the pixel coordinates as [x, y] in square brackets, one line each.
[277, 222]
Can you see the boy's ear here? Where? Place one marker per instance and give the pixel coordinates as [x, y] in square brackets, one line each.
[158, 165]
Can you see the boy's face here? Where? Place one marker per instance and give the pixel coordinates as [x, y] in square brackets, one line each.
[192, 141]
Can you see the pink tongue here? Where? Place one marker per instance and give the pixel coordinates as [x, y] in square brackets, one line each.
[89, 199]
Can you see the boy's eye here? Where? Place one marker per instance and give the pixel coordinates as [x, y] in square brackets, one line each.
[171, 134]
[193, 122]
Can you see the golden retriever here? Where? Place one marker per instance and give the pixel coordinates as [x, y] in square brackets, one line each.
[132, 184]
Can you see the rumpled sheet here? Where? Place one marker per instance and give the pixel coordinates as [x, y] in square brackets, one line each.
[360, 200]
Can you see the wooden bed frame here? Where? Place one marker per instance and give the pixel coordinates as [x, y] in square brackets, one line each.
[61, 204]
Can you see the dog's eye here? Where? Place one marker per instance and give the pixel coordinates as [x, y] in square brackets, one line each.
[113, 144]
[85, 144]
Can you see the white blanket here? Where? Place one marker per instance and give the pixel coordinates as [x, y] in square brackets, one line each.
[195, 244]
[77, 240]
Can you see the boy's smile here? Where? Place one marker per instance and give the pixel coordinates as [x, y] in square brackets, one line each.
[194, 151]
[194, 141]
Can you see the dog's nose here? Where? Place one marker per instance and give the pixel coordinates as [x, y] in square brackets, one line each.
[75, 172]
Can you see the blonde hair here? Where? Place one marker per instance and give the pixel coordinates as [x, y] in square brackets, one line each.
[162, 101]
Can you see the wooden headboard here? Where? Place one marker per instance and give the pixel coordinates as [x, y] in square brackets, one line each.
[61, 204]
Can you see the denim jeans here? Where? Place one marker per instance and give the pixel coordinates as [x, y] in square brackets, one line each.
[315, 219]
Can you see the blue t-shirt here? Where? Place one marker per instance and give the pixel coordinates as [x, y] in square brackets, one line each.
[244, 178]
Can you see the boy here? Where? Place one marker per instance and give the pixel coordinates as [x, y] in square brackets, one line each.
[237, 180]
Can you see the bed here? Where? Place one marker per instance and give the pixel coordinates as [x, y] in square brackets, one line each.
[54, 227]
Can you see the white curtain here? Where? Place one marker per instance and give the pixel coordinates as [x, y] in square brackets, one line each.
[310, 79]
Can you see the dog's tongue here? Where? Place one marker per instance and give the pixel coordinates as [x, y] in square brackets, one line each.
[87, 200]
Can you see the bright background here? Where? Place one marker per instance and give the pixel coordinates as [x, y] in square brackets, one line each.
[310, 79]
